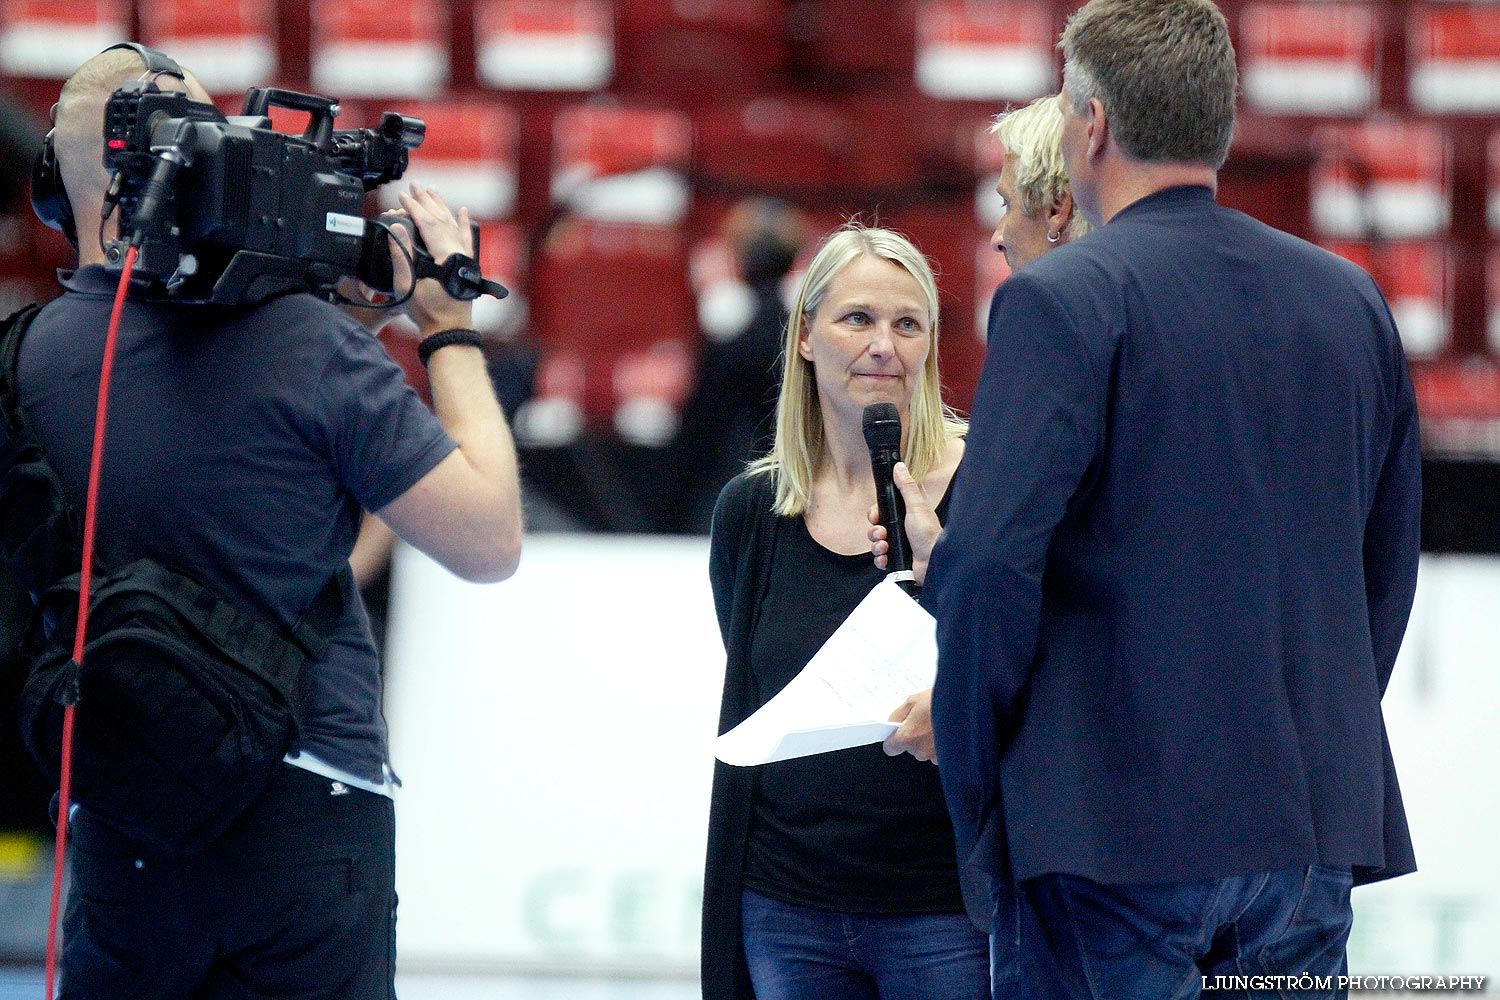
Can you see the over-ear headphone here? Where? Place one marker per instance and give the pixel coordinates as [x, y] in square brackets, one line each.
[49, 199]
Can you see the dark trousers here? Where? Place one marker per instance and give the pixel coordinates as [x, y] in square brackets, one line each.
[1080, 940]
[297, 901]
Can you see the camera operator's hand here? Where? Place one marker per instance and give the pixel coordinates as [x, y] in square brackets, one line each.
[466, 512]
[430, 307]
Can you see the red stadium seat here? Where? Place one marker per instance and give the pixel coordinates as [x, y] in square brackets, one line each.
[842, 41]
[553, 417]
[725, 303]
[775, 144]
[50, 38]
[1492, 284]
[502, 258]
[563, 45]
[1309, 58]
[650, 387]
[1417, 279]
[985, 52]
[1494, 183]
[1392, 179]
[1459, 403]
[469, 155]
[613, 313]
[374, 48]
[701, 50]
[616, 164]
[230, 45]
[1453, 58]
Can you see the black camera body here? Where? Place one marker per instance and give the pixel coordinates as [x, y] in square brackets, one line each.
[230, 211]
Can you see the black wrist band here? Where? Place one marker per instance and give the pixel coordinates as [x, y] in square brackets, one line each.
[446, 338]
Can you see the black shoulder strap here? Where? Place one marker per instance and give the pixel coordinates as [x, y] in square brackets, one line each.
[12, 329]
[39, 534]
[245, 635]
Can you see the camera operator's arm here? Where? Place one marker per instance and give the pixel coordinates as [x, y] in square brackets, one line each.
[372, 549]
[466, 512]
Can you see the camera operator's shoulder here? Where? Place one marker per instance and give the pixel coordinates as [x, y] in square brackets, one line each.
[307, 320]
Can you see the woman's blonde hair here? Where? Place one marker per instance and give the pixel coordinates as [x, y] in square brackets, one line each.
[1033, 135]
[799, 446]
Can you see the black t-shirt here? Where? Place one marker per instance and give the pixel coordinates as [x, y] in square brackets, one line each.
[853, 831]
[241, 446]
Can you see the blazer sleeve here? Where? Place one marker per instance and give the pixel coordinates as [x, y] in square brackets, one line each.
[1035, 430]
[1392, 542]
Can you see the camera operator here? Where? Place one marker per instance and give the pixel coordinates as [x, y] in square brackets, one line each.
[242, 444]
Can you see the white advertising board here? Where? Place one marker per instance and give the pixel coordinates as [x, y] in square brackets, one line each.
[555, 736]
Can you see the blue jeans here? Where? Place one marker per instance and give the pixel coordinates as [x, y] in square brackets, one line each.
[1080, 939]
[798, 953]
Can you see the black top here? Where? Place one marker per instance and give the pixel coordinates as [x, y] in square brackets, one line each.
[854, 831]
[746, 536]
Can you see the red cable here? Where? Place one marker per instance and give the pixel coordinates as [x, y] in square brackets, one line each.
[90, 514]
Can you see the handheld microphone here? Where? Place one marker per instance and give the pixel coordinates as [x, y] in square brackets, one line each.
[882, 423]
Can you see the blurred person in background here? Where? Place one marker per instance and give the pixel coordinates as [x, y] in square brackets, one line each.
[1180, 558]
[727, 419]
[833, 876]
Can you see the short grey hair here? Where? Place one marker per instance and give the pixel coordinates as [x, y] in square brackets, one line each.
[1163, 69]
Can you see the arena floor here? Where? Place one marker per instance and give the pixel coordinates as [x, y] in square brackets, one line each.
[28, 984]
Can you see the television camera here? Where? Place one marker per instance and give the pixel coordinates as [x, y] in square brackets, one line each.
[227, 210]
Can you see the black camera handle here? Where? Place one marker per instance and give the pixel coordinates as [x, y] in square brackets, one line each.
[459, 275]
[260, 100]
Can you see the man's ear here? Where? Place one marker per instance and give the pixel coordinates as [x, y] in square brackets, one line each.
[1098, 128]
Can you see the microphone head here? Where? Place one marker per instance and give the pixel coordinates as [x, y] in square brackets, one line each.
[882, 425]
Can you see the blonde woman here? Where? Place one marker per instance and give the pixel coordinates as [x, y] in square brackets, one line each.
[1039, 210]
[833, 876]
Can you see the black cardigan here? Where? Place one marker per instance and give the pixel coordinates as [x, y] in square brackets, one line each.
[743, 539]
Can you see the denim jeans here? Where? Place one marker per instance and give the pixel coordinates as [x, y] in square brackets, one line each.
[1079, 939]
[798, 953]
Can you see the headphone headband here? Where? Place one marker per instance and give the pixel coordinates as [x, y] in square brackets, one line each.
[156, 61]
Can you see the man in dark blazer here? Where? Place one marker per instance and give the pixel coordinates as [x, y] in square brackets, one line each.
[1180, 560]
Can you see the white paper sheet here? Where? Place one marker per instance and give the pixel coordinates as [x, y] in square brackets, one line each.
[885, 651]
